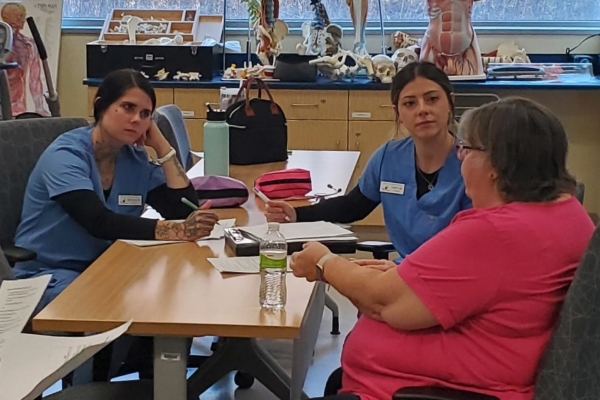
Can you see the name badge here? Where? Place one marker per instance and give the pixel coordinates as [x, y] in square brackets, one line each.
[125, 200]
[391, 187]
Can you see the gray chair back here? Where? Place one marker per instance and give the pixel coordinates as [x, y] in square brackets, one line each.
[21, 144]
[169, 120]
[5, 270]
[570, 368]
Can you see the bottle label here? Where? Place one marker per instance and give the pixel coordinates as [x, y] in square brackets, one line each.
[266, 262]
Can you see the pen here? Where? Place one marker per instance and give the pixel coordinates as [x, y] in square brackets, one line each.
[264, 198]
[192, 205]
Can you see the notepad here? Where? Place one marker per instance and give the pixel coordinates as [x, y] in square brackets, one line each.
[218, 232]
[239, 265]
[302, 231]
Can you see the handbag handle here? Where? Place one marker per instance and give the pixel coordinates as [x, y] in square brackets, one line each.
[260, 85]
[243, 87]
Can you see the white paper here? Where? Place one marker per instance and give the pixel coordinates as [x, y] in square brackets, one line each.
[219, 230]
[301, 230]
[199, 154]
[326, 239]
[29, 364]
[150, 243]
[18, 299]
[239, 265]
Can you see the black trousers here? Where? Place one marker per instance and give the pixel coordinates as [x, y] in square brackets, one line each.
[345, 396]
[334, 383]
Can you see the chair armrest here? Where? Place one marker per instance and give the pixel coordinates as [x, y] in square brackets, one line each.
[16, 254]
[438, 393]
[380, 250]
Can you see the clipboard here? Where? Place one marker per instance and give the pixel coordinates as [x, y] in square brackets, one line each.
[244, 245]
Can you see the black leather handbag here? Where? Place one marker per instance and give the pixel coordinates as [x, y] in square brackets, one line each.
[257, 128]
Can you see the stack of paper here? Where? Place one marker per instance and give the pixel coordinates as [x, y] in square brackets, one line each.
[18, 299]
[29, 364]
[239, 265]
[304, 231]
[217, 233]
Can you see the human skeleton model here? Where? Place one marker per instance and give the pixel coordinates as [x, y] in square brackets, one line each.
[270, 31]
[450, 41]
[358, 13]
[29, 70]
[321, 37]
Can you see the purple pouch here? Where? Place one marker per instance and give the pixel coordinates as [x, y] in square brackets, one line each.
[223, 191]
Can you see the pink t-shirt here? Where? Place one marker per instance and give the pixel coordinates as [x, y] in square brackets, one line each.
[494, 279]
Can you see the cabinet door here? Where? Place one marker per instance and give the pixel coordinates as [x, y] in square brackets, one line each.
[366, 137]
[374, 105]
[192, 102]
[312, 104]
[195, 131]
[317, 135]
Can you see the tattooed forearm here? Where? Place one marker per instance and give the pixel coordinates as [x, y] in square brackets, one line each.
[169, 230]
[196, 226]
[180, 170]
[175, 174]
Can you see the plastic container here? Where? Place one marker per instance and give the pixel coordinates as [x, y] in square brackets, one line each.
[273, 268]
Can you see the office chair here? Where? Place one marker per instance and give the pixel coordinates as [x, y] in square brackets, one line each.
[570, 368]
[22, 143]
[6, 272]
[169, 120]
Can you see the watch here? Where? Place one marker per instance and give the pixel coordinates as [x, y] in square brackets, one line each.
[167, 157]
[321, 266]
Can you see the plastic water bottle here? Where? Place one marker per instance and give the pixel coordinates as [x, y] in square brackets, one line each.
[216, 143]
[273, 267]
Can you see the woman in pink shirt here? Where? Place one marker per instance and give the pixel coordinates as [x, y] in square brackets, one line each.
[474, 307]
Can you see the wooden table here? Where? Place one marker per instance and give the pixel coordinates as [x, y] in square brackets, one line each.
[173, 293]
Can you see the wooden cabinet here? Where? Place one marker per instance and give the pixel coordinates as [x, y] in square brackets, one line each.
[372, 105]
[195, 131]
[313, 104]
[192, 102]
[366, 137]
[317, 135]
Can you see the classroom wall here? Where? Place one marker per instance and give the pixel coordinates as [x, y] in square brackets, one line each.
[578, 110]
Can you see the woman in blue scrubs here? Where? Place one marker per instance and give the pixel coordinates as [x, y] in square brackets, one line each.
[90, 186]
[416, 179]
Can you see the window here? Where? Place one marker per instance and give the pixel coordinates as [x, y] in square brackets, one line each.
[395, 10]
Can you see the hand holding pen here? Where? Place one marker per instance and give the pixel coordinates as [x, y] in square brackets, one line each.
[276, 211]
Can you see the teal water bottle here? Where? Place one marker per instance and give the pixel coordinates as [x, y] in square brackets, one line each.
[216, 143]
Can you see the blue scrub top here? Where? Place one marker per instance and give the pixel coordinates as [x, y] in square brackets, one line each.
[68, 164]
[389, 179]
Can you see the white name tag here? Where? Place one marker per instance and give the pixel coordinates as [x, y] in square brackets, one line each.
[125, 200]
[391, 187]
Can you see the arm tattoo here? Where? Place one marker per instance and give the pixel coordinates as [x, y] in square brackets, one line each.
[171, 230]
[191, 227]
[180, 170]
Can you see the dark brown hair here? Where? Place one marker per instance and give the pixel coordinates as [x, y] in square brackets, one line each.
[527, 145]
[425, 70]
[114, 86]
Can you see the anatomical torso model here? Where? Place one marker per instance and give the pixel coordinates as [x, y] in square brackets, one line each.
[450, 41]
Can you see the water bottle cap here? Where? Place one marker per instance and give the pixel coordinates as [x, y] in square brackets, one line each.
[273, 226]
[216, 115]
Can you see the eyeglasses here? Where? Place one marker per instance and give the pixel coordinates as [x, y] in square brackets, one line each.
[462, 149]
